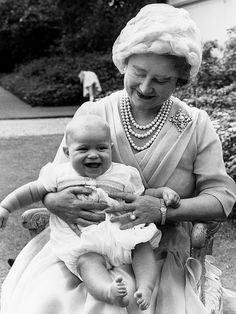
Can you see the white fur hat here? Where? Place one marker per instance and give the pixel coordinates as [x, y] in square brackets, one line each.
[161, 29]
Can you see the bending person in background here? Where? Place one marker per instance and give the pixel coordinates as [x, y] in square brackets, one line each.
[91, 84]
[170, 144]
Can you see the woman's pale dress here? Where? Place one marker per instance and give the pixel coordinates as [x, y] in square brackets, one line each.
[188, 161]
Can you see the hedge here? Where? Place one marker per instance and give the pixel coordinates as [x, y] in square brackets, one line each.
[54, 81]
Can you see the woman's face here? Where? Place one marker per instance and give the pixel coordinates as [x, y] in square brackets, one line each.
[149, 80]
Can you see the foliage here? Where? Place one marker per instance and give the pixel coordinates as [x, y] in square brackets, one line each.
[225, 125]
[215, 91]
[54, 81]
[27, 30]
[229, 59]
[93, 25]
[217, 72]
[215, 85]
[210, 98]
[212, 72]
[31, 29]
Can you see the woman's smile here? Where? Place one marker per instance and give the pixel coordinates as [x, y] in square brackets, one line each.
[144, 96]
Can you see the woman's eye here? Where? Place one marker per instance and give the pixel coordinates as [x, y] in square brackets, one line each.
[161, 82]
[139, 74]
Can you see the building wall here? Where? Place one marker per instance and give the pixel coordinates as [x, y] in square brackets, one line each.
[213, 17]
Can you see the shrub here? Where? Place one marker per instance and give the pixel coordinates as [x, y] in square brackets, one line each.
[229, 58]
[54, 81]
[225, 125]
[209, 98]
[216, 72]
[27, 31]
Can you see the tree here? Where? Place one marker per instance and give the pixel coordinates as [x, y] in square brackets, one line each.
[27, 30]
[94, 25]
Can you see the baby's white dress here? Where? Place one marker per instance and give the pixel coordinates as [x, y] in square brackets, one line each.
[104, 238]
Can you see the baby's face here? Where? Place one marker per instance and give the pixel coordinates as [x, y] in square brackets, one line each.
[90, 152]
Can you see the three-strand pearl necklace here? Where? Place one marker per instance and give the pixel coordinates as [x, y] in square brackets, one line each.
[154, 127]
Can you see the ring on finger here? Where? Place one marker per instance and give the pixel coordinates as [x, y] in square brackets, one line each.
[132, 216]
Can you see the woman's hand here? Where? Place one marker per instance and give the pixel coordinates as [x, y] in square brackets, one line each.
[68, 207]
[145, 208]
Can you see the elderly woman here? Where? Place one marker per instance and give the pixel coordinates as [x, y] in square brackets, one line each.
[170, 144]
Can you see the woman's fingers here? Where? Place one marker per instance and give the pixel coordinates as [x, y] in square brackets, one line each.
[85, 223]
[127, 197]
[123, 219]
[80, 190]
[143, 210]
[131, 224]
[126, 221]
[67, 205]
[122, 208]
[85, 208]
[92, 206]
[91, 216]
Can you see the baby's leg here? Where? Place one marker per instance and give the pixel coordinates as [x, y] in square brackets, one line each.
[145, 270]
[93, 271]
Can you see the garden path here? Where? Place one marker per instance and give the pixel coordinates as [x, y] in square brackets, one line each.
[20, 119]
[12, 107]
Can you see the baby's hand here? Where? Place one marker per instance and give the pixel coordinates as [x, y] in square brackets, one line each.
[4, 214]
[171, 198]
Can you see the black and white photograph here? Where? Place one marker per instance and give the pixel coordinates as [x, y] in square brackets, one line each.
[118, 157]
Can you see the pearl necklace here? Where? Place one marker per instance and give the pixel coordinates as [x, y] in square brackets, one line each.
[154, 126]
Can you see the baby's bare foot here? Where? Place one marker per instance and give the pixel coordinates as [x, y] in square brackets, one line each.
[143, 298]
[118, 292]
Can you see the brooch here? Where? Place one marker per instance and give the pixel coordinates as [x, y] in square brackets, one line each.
[180, 120]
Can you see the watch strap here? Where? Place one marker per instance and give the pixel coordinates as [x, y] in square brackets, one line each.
[163, 210]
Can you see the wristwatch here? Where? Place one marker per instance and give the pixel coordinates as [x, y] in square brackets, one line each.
[163, 210]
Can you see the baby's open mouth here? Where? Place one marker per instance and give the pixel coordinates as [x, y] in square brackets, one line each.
[93, 165]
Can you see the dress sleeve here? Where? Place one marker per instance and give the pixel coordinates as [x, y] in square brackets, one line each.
[48, 177]
[134, 184]
[209, 168]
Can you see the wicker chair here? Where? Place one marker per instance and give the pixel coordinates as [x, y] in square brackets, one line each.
[202, 236]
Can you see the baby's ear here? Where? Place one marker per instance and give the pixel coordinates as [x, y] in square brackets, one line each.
[66, 151]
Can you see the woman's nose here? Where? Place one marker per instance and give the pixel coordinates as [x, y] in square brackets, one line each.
[146, 86]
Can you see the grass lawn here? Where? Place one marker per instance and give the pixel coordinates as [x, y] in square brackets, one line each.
[224, 250]
[20, 161]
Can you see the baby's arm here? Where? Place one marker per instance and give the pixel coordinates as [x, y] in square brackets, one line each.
[25, 195]
[170, 197]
